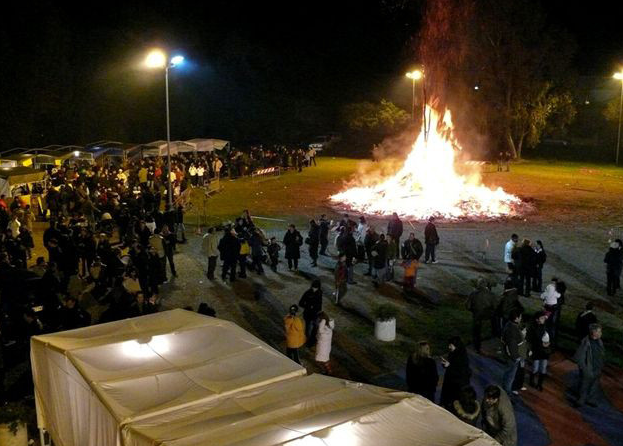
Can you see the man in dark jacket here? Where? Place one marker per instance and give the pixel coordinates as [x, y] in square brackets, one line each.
[614, 265]
[379, 254]
[526, 266]
[481, 303]
[324, 234]
[229, 248]
[584, 320]
[313, 239]
[431, 240]
[512, 337]
[412, 248]
[394, 228]
[350, 251]
[311, 302]
[590, 360]
[293, 240]
[369, 241]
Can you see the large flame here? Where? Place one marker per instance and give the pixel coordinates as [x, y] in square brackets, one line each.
[428, 183]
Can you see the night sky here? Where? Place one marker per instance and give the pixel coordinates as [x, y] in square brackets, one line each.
[257, 71]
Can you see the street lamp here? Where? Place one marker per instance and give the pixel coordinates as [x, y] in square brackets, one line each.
[414, 75]
[619, 76]
[157, 59]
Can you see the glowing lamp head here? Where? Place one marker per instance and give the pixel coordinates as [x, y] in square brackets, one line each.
[177, 60]
[156, 59]
[618, 76]
[415, 75]
[76, 153]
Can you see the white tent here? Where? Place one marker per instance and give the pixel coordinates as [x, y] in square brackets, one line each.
[159, 148]
[177, 378]
[208, 145]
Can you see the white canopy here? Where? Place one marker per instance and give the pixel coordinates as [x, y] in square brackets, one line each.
[159, 148]
[177, 378]
[208, 145]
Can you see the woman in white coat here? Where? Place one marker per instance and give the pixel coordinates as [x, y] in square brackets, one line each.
[323, 342]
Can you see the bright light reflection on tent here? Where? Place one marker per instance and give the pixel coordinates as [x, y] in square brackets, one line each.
[341, 435]
[147, 348]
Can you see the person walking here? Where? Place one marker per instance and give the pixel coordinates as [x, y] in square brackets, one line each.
[295, 333]
[324, 234]
[431, 240]
[539, 342]
[614, 264]
[482, 304]
[394, 229]
[324, 337]
[540, 259]
[292, 240]
[210, 249]
[273, 253]
[422, 376]
[590, 360]
[457, 372]
[313, 240]
[341, 278]
[511, 339]
[311, 303]
[498, 416]
[169, 241]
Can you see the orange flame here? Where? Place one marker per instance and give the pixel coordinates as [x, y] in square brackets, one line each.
[428, 184]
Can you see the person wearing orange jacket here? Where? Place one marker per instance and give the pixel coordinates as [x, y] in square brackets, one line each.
[295, 333]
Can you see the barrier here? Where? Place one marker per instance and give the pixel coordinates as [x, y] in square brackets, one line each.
[263, 174]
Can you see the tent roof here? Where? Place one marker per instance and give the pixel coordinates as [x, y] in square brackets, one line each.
[177, 378]
[20, 175]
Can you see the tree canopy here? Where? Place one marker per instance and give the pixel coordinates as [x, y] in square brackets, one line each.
[500, 67]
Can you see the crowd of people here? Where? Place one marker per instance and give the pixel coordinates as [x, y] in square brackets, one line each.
[111, 236]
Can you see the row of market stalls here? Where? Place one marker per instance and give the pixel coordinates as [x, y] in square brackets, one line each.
[178, 378]
[104, 152]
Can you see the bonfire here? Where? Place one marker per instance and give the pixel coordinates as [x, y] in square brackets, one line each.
[428, 183]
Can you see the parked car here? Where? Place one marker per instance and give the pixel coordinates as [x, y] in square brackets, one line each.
[322, 142]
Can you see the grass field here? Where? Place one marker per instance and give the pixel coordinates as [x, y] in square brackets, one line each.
[569, 191]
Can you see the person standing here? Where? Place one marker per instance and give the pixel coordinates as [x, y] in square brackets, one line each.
[584, 320]
[422, 376]
[324, 234]
[590, 360]
[498, 416]
[508, 252]
[431, 240]
[614, 264]
[526, 264]
[512, 337]
[210, 249]
[313, 239]
[295, 333]
[350, 251]
[539, 342]
[229, 247]
[370, 240]
[311, 303]
[482, 304]
[324, 337]
[169, 241]
[457, 372]
[540, 259]
[412, 248]
[341, 278]
[293, 241]
[256, 243]
[394, 229]
[360, 236]
[273, 253]
[379, 254]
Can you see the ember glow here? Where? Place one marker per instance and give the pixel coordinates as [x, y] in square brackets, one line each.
[428, 183]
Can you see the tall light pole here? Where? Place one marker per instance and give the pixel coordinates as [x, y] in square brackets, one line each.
[414, 75]
[619, 76]
[157, 59]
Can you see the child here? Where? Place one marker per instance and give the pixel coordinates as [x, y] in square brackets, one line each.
[410, 266]
[273, 253]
